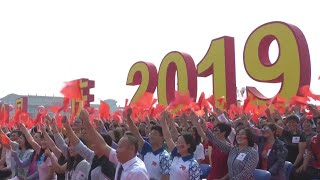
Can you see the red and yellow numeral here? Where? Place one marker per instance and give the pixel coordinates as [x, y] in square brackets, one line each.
[22, 104]
[78, 105]
[292, 68]
[220, 63]
[145, 75]
[183, 65]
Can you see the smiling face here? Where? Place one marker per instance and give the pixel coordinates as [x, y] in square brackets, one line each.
[307, 125]
[241, 137]
[182, 146]
[37, 138]
[292, 125]
[14, 136]
[155, 137]
[21, 141]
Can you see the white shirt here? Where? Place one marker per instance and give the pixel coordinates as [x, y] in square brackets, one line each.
[199, 152]
[8, 157]
[43, 168]
[132, 169]
[157, 162]
[184, 168]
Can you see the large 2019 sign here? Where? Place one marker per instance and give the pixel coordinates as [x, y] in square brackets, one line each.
[291, 69]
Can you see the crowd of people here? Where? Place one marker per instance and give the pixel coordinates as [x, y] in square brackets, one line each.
[165, 147]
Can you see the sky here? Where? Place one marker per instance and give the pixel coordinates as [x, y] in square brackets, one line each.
[46, 43]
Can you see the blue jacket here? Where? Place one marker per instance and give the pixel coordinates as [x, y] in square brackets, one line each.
[276, 157]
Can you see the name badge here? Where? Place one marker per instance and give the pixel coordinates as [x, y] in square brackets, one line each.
[295, 139]
[241, 156]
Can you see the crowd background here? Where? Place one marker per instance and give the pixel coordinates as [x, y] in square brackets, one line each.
[184, 140]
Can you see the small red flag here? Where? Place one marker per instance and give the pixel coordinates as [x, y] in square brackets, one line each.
[201, 98]
[72, 90]
[116, 116]
[212, 101]
[298, 100]
[4, 139]
[104, 110]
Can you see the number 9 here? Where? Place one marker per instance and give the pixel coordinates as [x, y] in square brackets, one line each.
[292, 66]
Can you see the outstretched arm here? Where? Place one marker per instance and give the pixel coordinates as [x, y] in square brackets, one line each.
[57, 152]
[166, 132]
[101, 147]
[29, 138]
[73, 139]
[133, 128]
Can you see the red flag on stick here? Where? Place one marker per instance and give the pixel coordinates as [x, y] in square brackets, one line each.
[72, 90]
[104, 110]
[4, 139]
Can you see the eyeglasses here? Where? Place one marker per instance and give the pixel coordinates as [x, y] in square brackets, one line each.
[265, 129]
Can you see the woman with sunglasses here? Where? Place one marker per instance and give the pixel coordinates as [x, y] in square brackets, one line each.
[272, 152]
[242, 159]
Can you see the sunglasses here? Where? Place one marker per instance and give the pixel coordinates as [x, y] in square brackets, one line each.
[266, 129]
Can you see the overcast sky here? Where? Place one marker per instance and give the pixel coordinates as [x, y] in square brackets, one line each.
[45, 43]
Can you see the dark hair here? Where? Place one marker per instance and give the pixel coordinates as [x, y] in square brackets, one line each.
[142, 132]
[239, 124]
[117, 135]
[272, 127]
[38, 158]
[15, 131]
[107, 139]
[223, 127]
[72, 162]
[308, 120]
[27, 144]
[129, 133]
[106, 125]
[293, 118]
[152, 122]
[197, 136]
[157, 128]
[188, 138]
[107, 168]
[133, 141]
[249, 134]
[316, 118]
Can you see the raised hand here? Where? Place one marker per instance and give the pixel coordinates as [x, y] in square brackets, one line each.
[47, 152]
[84, 116]
[129, 113]
[22, 127]
[163, 116]
[98, 123]
[53, 125]
[43, 128]
[65, 122]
